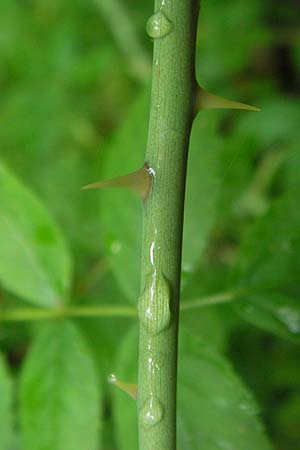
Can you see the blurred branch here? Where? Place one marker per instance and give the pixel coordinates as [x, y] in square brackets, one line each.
[223, 297]
[117, 17]
[33, 314]
[90, 311]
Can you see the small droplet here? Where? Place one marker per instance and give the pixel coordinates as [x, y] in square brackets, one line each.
[130, 388]
[154, 304]
[290, 317]
[154, 362]
[152, 412]
[249, 408]
[112, 379]
[115, 247]
[158, 25]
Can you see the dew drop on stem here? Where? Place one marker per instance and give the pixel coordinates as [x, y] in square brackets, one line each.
[152, 412]
[158, 26]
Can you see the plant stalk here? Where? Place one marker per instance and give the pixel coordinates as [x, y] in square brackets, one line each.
[173, 28]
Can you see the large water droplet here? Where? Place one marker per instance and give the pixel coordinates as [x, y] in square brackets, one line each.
[154, 304]
[152, 412]
[158, 25]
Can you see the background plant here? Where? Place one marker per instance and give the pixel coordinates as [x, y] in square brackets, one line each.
[74, 108]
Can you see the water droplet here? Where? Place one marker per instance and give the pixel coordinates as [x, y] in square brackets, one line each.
[154, 362]
[158, 25]
[154, 304]
[152, 412]
[112, 379]
[248, 408]
[115, 247]
[290, 318]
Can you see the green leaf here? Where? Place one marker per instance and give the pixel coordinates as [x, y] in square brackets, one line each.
[215, 410]
[5, 406]
[203, 186]
[219, 59]
[268, 267]
[121, 211]
[272, 311]
[59, 397]
[34, 261]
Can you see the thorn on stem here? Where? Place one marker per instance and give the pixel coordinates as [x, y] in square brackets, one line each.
[206, 100]
[130, 389]
[139, 181]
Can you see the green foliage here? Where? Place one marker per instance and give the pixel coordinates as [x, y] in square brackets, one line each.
[6, 429]
[59, 392]
[34, 262]
[268, 269]
[74, 109]
[214, 409]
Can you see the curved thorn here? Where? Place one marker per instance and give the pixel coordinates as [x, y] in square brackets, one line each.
[206, 100]
[138, 181]
[130, 389]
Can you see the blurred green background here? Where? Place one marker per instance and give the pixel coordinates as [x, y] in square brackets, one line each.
[72, 72]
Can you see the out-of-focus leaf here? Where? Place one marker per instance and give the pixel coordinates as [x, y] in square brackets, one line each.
[273, 311]
[5, 407]
[103, 338]
[215, 410]
[276, 123]
[234, 20]
[34, 261]
[60, 396]
[121, 210]
[268, 267]
[203, 183]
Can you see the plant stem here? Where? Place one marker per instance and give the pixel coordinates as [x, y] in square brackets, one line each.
[33, 314]
[174, 29]
[91, 311]
[216, 299]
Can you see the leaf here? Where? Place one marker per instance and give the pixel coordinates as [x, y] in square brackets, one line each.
[5, 407]
[267, 270]
[59, 392]
[215, 410]
[121, 211]
[277, 122]
[275, 312]
[218, 59]
[34, 261]
[203, 186]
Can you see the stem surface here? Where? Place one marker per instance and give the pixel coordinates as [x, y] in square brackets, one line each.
[173, 28]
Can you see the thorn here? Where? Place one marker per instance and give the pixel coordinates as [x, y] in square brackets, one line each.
[139, 181]
[206, 100]
[130, 389]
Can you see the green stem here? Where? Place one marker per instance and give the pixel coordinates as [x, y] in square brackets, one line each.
[33, 314]
[173, 28]
[223, 297]
[90, 311]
